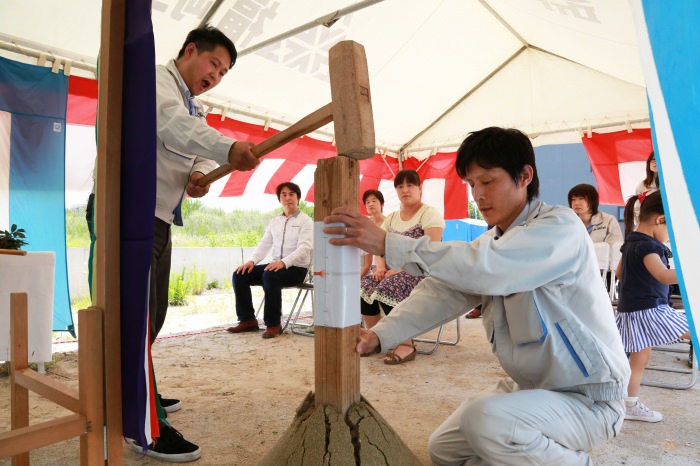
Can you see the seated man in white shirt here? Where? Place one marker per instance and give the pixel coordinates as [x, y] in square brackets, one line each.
[290, 238]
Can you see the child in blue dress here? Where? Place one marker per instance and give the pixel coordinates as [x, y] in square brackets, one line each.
[645, 317]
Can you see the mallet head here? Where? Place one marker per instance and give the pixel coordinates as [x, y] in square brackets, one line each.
[351, 100]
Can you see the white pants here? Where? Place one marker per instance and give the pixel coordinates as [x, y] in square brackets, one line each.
[538, 427]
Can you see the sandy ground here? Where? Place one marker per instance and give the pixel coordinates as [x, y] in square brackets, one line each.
[240, 392]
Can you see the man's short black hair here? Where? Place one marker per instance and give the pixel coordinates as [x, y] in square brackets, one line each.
[587, 192]
[206, 39]
[291, 186]
[494, 147]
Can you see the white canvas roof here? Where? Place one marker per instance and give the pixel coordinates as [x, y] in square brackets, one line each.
[552, 68]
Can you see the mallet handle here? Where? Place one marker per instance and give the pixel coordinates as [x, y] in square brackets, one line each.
[309, 123]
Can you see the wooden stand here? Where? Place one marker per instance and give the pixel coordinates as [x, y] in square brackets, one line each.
[337, 426]
[99, 356]
[87, 403]
[337, 365]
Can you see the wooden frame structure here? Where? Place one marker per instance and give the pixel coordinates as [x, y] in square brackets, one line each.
[98, 402]
[86, 403]
[107, 285]
[336, 425]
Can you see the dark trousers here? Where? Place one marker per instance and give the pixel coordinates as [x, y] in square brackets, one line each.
[373, 309]
[162, 239]
[89, 214]
[272, 283]
[160, 276]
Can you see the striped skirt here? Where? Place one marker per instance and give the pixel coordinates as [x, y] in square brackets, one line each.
[651, 327]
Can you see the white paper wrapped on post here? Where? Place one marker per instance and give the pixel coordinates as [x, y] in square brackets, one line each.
[336, 281]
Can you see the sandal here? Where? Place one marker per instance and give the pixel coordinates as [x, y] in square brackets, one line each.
[393, 359]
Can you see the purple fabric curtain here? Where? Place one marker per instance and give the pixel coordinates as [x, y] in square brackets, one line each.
[138, 198]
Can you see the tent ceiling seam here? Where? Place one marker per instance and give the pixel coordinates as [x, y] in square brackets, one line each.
[503, 22]
[560, 57]
[464, 97]
[534, 47]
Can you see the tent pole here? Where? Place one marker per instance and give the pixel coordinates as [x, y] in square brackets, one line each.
[107, 215]
[210, 12]
[52, 57]
[327, 20]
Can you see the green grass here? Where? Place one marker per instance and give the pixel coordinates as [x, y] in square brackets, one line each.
[204, 226]
[81, 302]
[191, 281]
[77, 235]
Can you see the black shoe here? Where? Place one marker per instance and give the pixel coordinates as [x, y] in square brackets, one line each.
[169, 405]
[171, 446]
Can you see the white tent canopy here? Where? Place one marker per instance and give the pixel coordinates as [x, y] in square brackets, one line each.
[553, 68]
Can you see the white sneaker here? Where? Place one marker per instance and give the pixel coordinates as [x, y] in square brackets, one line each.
[639, 412]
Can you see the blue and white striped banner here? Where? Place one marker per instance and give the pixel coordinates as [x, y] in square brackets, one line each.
[669, 36]
[32, 160]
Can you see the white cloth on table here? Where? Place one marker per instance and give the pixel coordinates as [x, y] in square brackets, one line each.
[33, 274]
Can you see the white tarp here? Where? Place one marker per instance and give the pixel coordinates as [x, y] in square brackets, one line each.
[438, 69]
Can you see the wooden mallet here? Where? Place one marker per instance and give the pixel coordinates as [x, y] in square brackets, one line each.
[336, 426]
[350, 112]
[337, 183]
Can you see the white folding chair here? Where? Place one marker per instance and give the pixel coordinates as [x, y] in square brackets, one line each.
[615, 256]
[688, 359]
[437, 341]
[602, 253]
[304, 288]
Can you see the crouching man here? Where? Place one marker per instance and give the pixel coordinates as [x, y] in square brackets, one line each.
[545, 310]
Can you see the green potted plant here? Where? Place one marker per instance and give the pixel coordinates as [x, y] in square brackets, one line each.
[13, 239]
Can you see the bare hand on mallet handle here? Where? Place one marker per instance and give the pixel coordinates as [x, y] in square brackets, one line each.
[241, 157]
[193, 188]
[359, 231]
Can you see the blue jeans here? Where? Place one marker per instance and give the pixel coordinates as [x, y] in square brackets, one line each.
[272, 283]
